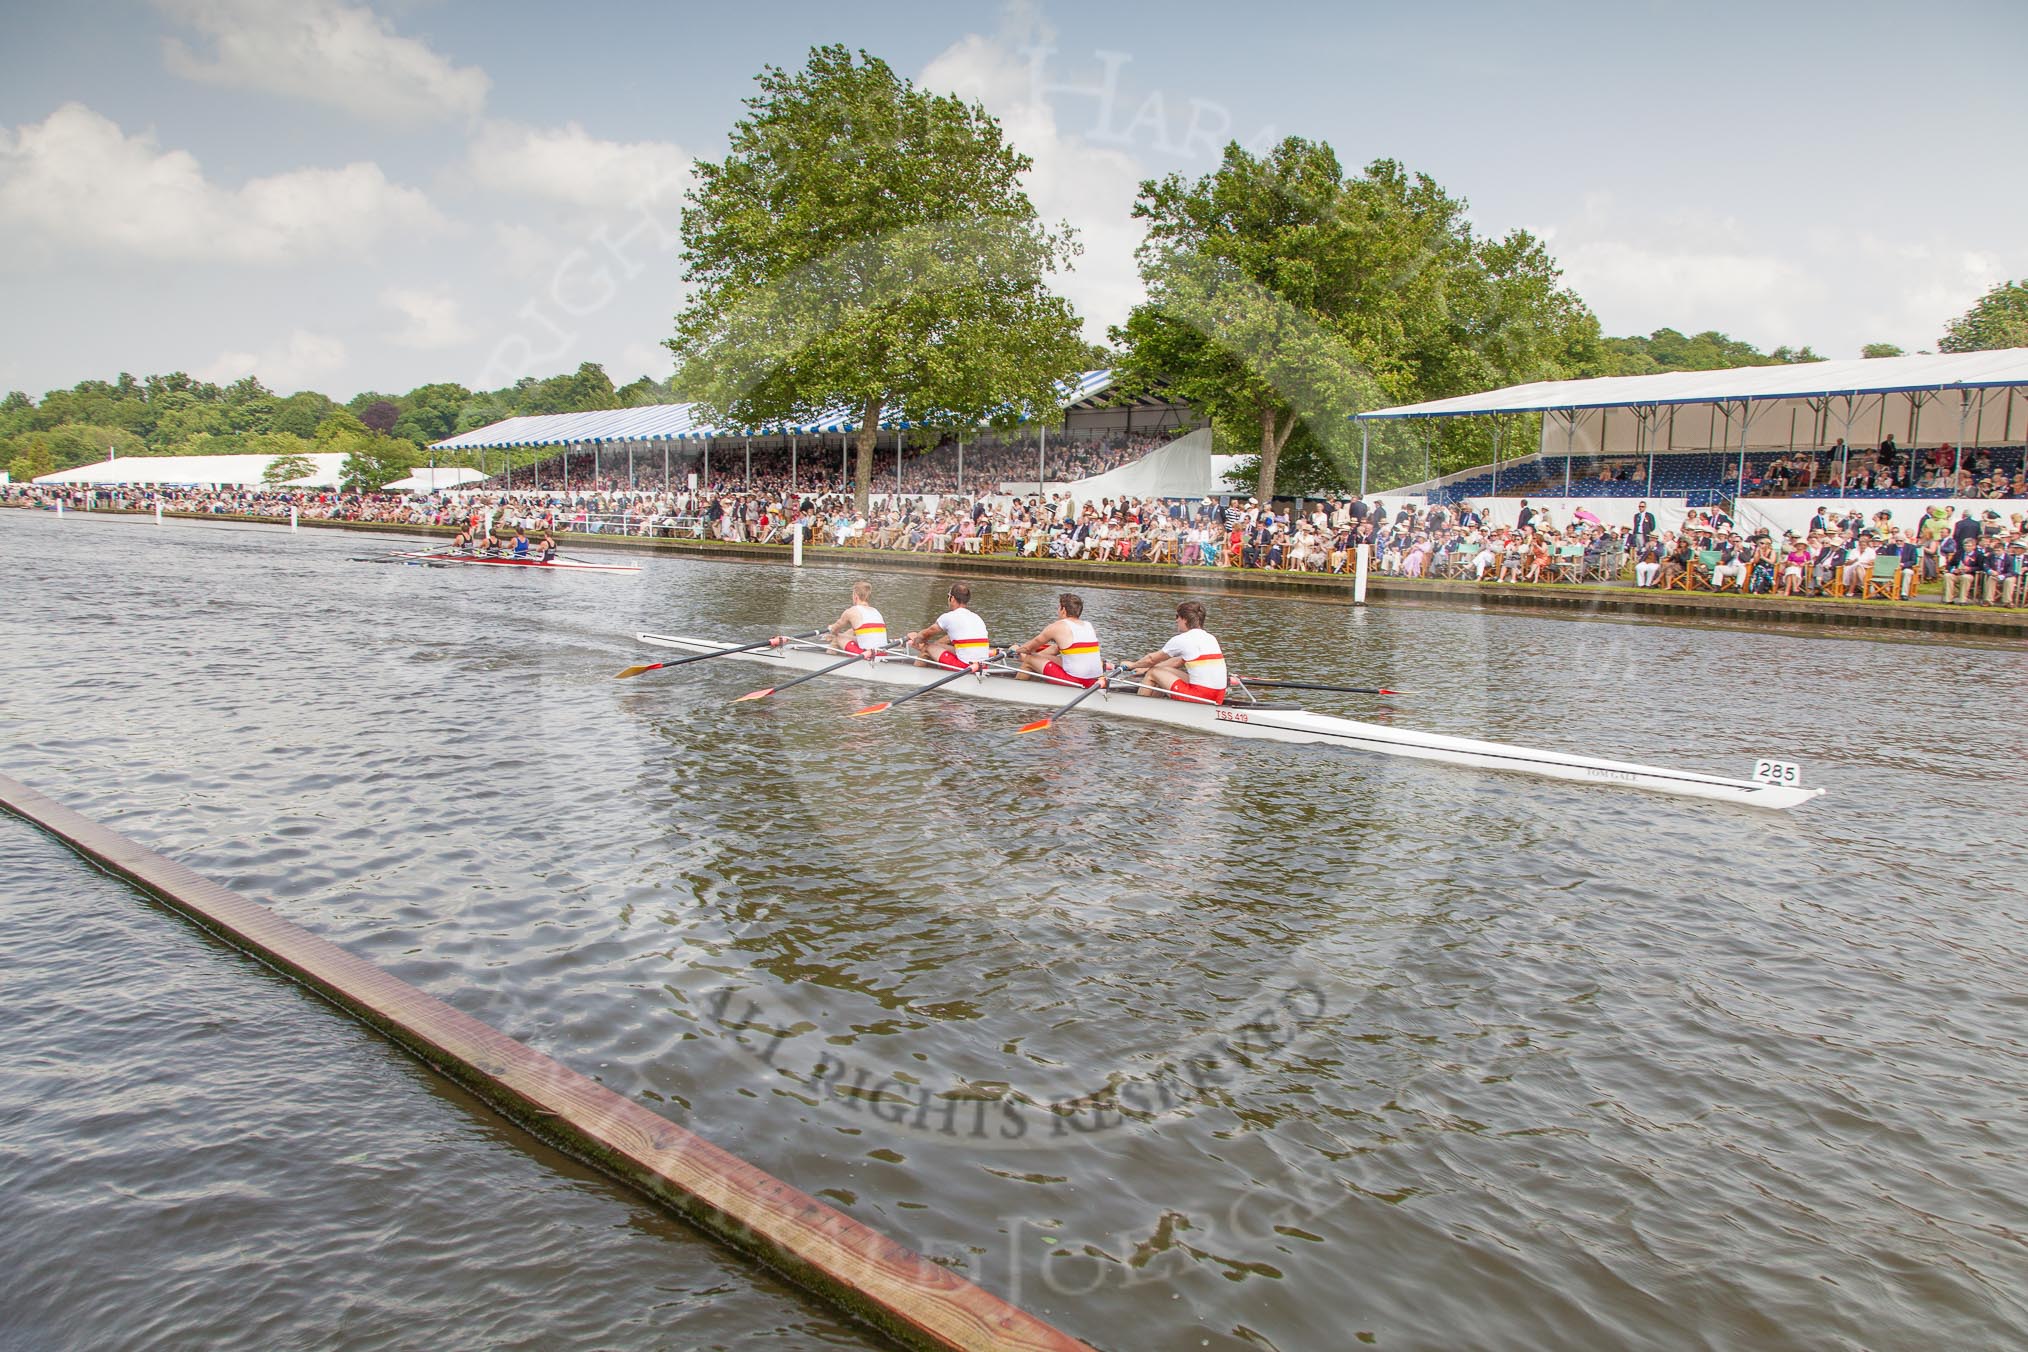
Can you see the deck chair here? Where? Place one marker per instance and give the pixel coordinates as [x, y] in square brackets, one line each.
[1885, 578]
[1569, 563]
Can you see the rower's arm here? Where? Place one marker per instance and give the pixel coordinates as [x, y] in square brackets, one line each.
[1155, 659]
[1039, 642]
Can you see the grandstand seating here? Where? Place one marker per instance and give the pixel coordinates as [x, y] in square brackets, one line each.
[1701, 477]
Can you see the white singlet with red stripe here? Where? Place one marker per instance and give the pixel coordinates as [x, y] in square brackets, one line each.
[967, 633]
[1203, 663]
[1080, 656]
[869, 631]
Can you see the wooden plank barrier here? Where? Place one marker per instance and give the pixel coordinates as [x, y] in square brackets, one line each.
[898, 1291]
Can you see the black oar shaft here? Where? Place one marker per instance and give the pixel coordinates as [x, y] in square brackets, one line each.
[937, 684]
[820, 671]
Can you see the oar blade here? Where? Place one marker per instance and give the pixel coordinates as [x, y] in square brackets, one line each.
[1037, 726]
[755, 694]
[873, 709]
[637, 670]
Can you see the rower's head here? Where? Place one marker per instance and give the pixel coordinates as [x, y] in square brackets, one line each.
[1190, 615]
[862, 592]
[1070, 605]
[960, 593]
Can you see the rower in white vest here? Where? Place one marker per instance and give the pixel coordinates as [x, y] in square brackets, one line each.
[1067, 651]
[860, 629]
[956, 638]
[1189, 666]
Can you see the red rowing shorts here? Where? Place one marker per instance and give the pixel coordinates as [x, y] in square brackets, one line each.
[1192, 693]
[851, 645]
[1053, 669]
[950, 659]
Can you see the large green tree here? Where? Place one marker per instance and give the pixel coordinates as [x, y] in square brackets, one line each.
[1284, 295]
[284, 468]
[371, 460]
[867, 244]
[1998, 319]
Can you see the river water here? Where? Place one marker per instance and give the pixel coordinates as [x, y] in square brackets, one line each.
[1176, 1041]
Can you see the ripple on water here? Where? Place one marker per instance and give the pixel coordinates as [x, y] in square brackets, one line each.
[1563, 1067]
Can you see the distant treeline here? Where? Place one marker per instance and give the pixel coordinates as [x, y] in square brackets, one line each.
[176, 414]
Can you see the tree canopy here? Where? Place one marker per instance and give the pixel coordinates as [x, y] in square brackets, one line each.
[1998, 319]
[1668, 350]
[1284, 295]
[176, 414]
[868, 244]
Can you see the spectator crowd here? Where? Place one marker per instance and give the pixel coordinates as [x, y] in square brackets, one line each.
[1977, 558]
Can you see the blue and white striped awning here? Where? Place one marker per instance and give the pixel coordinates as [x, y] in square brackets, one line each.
[685, 422]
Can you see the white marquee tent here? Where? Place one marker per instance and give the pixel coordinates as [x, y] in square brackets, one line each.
[1182, 469]
[194, 471]
[435, 480]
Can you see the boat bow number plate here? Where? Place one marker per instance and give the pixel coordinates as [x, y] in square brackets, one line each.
[1783, 773]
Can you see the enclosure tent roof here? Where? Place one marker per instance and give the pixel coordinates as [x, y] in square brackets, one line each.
[1861, 376]
[686, 422]
[434, 480]
[234, 471]
[652, 422]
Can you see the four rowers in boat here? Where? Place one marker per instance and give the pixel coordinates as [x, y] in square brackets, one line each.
[1188, 667]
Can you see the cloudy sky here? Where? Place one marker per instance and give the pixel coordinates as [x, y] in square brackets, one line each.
[347, 196]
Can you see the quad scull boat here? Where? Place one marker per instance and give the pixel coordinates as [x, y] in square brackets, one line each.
[1775, 785]
[510, 561]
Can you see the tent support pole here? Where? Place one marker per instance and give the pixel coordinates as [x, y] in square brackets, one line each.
[1569, 439]
[792, 464]
[1845, 461]
[1365, 430]
[1964, 404]
[1739, 488]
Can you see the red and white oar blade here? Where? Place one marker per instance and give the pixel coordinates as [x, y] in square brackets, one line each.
[1384, 691]
[873, 709]
[1037, 726]
[755, 694]
[636, 671]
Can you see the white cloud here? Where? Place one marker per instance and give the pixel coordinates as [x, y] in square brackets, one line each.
[568, 164]
[1092, 186]
[297, 364]
[1834, 288]
[324, 51]
[433, 319]
[644, 359]
[77, 180]
[522, 251]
